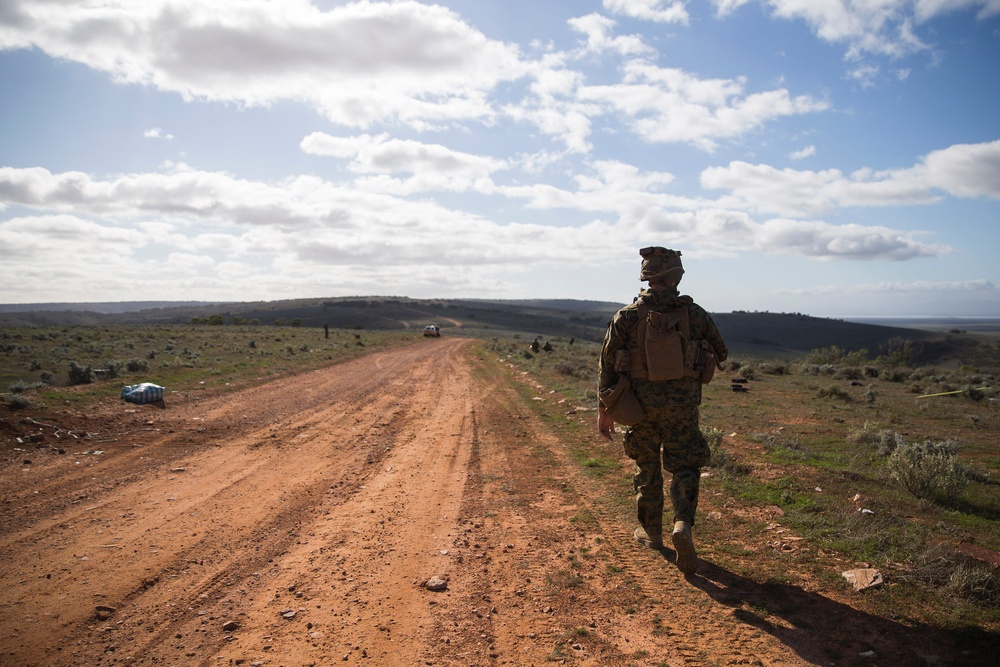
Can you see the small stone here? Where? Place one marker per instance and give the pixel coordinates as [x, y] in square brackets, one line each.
[288, 614]
[436, 584]
[231, 626]
[105, 612]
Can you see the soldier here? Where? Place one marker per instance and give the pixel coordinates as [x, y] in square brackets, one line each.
[668, 346]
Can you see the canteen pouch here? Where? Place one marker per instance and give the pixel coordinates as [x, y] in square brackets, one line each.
[621, 404]
[705, 362]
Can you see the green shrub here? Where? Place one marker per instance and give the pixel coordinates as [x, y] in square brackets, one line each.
[136, 365]
[834, 392]
[21, 386]
[850, 373]
[834, 355]
[930, 471]
[80, 374]
[895, 374]
[19, 402]
[973, 393]
[885, 441]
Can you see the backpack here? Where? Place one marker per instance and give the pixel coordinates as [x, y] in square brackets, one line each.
[665, 350]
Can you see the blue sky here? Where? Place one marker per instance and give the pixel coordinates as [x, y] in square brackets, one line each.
[833, 157]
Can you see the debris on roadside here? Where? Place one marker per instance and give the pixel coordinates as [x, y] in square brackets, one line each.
[864, 578]
[142, 393]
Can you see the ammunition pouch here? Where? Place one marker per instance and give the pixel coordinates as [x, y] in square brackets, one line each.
[665, 351]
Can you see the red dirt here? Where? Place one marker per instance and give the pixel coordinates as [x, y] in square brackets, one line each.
[295, 523]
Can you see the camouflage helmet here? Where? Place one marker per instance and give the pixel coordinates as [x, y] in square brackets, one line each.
[661, 265]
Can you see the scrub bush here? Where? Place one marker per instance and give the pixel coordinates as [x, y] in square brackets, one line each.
[930, 471]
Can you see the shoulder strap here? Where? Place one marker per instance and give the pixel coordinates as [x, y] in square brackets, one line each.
[637, 358]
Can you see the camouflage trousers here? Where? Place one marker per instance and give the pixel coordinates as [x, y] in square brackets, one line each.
[668, 439]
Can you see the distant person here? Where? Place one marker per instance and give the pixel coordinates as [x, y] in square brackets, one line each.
[326, 330]
[663, 347]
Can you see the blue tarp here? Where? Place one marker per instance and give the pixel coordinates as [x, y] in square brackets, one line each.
[146, 392]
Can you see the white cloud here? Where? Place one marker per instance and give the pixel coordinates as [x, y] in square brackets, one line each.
[357, 63]
[823, 240]
[57, 233]
[434, 167]
[640, 209]
[157, 133]
[963, 170]
[597, 29]
[304, 218]
[188, 225]
[928, 9]
[552, 105]
[726, 7]
[662, 11]
[669, 105]
[801, 154]
[879, 27]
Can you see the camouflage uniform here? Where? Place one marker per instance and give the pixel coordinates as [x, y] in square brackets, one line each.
[670, 434]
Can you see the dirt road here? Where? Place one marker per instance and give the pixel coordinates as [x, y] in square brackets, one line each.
[296, 523]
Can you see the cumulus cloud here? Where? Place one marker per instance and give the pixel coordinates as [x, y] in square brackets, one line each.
[363, 63]
[157, 133]
[293, 228]
[883, 28]
[640, 207]
[304, 219]
[597, 29]
[669, 105]
[803, 153]
[827, 241]
[357, 63]
[662, 11]
[433, 167]
[963, 170]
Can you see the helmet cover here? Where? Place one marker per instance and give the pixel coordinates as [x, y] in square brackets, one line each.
[661, 265]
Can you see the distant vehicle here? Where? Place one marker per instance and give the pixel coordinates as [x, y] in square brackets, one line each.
[431, 330]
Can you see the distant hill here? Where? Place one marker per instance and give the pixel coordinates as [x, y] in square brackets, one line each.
[103, 308]
[748, 334]
[791, 334]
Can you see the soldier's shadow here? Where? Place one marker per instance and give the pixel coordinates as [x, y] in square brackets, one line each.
[823, 631]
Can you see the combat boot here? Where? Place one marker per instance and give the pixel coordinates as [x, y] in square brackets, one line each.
[652, 541]
[687, 559]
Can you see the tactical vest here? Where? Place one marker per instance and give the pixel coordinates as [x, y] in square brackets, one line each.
[665, 350]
